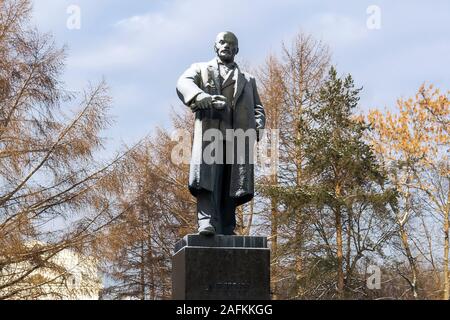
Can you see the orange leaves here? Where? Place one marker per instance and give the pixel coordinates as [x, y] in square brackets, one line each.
[418, 129]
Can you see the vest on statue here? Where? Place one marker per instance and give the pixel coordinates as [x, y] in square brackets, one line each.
[227, 90]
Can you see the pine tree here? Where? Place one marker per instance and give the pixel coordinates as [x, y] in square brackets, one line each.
[345, 194]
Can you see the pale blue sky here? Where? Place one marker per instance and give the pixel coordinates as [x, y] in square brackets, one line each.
[141, 47]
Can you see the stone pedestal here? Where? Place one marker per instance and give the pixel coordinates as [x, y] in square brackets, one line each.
[221, 268]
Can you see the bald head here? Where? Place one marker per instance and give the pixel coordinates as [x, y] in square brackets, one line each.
[228, 35]
[226, 46]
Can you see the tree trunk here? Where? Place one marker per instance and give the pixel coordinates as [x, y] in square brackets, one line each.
[413, 283]
[339, 244]
[142, 272]
[446, 249]
[250, 217]
[151, 260]
[299, 221]
[340, 256]
[298, 245]
[240, 220]
[274, 246]
[348, 263]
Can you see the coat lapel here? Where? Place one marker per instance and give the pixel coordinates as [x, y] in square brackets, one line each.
[238, 77]
[240, 84]
[213, 69]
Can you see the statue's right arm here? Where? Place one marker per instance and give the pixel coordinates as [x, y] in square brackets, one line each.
[188, 85]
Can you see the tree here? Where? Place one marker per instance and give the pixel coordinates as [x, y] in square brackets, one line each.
[53, 194]
[413, 144]
[345, 196]
[287, 84]
[136, 250]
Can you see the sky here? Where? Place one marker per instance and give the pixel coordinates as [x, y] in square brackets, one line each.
[141, 47]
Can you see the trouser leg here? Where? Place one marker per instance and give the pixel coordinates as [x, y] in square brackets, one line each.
[206, 209]
[217, 207]
[208, 203]
[227, 203]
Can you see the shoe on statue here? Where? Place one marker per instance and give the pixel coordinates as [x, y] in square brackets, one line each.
[208, 230]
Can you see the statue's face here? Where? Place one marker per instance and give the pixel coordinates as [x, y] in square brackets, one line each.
[226, 46]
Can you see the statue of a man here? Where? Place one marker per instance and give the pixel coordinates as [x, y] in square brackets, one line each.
[226, 104]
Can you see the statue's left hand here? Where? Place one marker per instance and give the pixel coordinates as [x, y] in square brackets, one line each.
[219, 102]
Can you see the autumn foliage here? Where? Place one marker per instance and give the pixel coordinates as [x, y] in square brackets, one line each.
[354, 195]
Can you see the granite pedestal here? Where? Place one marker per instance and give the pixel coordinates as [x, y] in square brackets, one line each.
[221, 268]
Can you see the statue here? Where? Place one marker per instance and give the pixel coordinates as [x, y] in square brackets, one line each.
[227, 107]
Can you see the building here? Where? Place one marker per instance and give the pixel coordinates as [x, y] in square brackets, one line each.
[68, 275]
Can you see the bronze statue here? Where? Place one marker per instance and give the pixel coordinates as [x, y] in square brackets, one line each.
[225, 101]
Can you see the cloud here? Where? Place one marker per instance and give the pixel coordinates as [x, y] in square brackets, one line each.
[337, 29]
[136, 41]
[149, 39]
[51, 15]
[142, 47]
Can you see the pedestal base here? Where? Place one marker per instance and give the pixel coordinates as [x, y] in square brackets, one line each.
[221, 268]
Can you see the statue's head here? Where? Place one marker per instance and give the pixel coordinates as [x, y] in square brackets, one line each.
[226, 46]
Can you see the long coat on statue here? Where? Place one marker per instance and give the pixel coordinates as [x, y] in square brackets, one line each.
[248, 113]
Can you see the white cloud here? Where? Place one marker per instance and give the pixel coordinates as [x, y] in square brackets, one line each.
[135, 41]
[137, 23]
[336, 29]
[142, 48]
[51, 15]
[186, 25]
